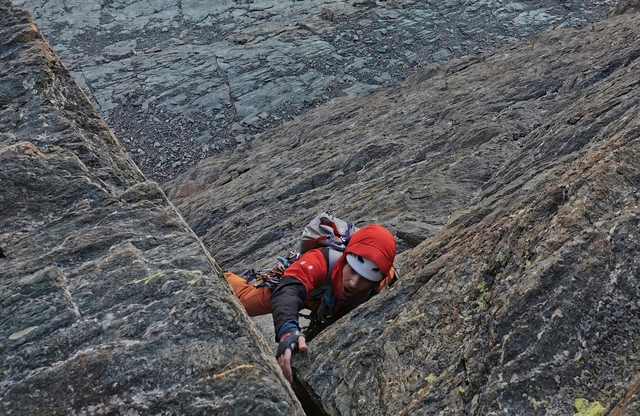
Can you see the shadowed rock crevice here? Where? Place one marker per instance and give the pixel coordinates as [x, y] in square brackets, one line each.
[309, 399]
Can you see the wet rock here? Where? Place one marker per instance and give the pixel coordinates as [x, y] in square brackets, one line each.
[110, 304]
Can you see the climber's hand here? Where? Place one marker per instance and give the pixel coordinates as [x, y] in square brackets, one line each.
[289, 343]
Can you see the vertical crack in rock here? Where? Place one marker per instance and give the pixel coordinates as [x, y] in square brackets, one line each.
[311, 402]
[109, 302]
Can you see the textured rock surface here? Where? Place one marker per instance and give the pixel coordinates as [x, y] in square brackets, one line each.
[528, 301]
[515, 178]
[624, 6]
[109, 302]
[178, 80]
[510, 179]
[408, 157]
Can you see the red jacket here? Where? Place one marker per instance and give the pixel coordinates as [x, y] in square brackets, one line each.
[310, 272]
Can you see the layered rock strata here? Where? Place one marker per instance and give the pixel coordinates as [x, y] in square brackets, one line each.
[109, 302]
[527, 302]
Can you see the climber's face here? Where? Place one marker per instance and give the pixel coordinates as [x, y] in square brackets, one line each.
[353, 283]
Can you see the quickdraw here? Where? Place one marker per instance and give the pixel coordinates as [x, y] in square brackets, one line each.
[270, 278]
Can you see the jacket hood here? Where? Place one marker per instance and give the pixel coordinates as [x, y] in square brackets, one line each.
[376, 243]
[373, 242]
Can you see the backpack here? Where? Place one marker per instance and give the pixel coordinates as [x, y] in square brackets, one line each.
[324, 230]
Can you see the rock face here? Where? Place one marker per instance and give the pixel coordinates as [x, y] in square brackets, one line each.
[511, 180]
[109, 302]
[624, 6]
[178, 80]
[528, 301]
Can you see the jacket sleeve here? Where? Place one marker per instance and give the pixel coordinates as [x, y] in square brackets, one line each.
[304, 275]
[286, 302]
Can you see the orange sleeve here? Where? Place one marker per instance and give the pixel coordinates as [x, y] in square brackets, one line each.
[310, 269]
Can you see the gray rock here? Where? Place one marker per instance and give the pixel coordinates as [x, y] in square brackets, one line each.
[511, 183]
[526, 301]
[109, 302]
[624, 6]
[207, 66]
[510, 179]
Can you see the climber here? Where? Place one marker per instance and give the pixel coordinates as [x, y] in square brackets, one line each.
[360, 272]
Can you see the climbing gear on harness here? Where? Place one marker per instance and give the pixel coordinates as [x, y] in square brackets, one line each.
[322, 316]
[286, 342]
[332, 235]
[270, 278]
